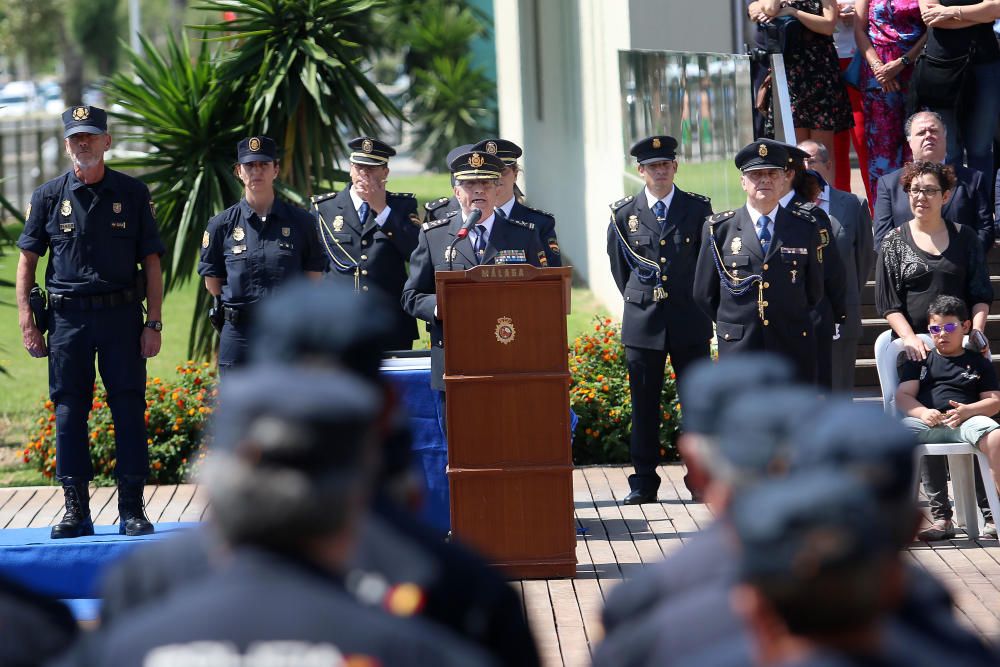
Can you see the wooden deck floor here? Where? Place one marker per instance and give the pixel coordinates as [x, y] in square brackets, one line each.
[616, 542]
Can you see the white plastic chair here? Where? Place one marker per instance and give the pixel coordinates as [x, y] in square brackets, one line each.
[960, 455]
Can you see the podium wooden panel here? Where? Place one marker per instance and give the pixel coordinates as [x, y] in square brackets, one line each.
[506, 373]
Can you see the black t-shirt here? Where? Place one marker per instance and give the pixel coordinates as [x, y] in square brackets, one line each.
[955, 42]
[942, 379]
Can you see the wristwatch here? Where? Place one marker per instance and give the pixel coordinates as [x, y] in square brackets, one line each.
[905, 59]
[155, 325]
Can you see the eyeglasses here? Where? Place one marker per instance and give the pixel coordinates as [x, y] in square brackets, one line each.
[928, 192]
[950, 327]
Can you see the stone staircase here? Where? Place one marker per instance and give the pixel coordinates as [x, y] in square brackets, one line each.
[865, 374]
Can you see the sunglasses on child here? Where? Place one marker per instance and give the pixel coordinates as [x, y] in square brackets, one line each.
[950, 327]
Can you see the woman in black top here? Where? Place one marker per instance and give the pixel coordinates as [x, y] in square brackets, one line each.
[928, 257]
[957, 28]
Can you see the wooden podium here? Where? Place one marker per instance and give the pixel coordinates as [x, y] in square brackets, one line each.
[506, 373]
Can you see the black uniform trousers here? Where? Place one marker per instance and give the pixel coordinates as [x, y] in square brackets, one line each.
[113, 334]
[233, 345]
[645, 378]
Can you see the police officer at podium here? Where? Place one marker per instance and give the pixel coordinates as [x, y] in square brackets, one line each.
[759, 272]
[490, 240]
[368, 234]
[653, 243]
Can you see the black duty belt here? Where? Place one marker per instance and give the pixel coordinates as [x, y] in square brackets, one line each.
[236, 316]
[93, 301]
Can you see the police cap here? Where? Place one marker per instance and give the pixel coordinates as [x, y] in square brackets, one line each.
[324, 323]
[307, 419]
[654, 149]
[796, 528]
[77, 120]
[370, 151]
[476, 165]
[256, 149]
[708, 387]
[755, 431]
[861, 440]
[507, 151]
[762, 154]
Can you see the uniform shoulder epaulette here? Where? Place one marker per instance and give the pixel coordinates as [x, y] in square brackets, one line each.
[436, 204]
[434, 224]
[621, 202]
[697, 196]
[401, 195]
[538, 210]
[721, 217]
[803, 213]
[521, 223]
[318, 198]
[806, 205]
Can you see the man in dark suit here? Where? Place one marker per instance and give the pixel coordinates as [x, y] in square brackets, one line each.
[970, 200]
[759, 273]
[852, 234]
[492, 240]
[368, 234]
[653, 243]
[510, 203]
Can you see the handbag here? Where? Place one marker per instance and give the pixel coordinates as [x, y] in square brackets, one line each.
[780, 34]
[940, 83]
[852, 74]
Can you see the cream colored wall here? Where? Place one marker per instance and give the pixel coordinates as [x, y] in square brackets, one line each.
[558, 85]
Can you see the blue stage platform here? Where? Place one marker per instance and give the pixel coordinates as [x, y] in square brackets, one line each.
[71, 569]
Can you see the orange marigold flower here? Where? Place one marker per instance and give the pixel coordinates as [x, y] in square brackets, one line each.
[157, 465]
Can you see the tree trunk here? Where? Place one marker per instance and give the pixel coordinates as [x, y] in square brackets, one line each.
[72, 86]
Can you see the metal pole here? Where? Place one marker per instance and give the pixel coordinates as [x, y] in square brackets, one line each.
[133, 25]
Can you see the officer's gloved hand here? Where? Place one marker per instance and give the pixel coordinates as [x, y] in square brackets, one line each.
[216, 315]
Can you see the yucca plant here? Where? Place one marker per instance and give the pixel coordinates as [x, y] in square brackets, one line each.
[453, 104]
[304, 66]
[190, 117]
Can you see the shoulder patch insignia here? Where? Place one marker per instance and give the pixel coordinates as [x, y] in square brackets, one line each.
[27, 211]
[699, 197]
[521, 223]
[436, 204]
[721, 217]
[803, 214]
[318, 198]
[204, 240]
[433, 224]
[806, 205]
[621, 202]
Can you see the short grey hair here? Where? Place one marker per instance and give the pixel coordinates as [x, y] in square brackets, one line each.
[822, 152]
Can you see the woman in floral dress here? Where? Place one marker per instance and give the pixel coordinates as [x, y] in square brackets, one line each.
[891, 39]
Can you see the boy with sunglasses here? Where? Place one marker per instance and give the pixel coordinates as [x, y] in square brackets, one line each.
[950, 397]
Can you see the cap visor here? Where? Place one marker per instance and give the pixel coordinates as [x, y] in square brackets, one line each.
[255, 157]
[651, 160]
[369, 162]
[759, 167]
[83, 129]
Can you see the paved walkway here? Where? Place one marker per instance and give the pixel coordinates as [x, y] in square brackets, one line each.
[616, 542]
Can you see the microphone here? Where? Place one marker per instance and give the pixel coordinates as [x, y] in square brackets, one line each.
[474, 216]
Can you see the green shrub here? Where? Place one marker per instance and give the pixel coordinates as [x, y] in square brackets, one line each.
[176, 414]
[600, 397]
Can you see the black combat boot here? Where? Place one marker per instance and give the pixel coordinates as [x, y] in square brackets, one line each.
[131, 508]
[76, 521]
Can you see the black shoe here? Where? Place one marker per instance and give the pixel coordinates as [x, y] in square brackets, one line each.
[131, 509]
[638, 497]
[695, 494]
[76, 522]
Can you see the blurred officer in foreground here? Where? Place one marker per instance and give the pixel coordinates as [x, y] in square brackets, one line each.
[707, 393]
[817, 571]
[35, 628]
[252, 247]
[368, 234]
[511, 205]
[759, 273]
[683, 609]
[399, 565]
[441, 208]
[288, 478]
[491, 240]
[99, 224]
[653, 243]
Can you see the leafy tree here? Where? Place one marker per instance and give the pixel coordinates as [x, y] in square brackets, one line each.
[191, 118]
[96, 27]
[304, 66]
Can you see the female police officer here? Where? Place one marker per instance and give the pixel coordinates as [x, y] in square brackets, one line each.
[252, 247]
